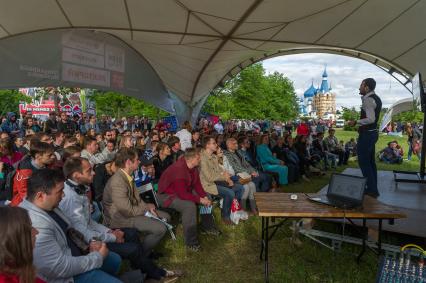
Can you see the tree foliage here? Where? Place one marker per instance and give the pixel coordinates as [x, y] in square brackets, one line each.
[10, 99]
[254, 95]
[349, 114]
[409, 116]
[118, 105]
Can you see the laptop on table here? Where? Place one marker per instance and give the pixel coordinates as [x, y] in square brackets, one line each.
[344, 191]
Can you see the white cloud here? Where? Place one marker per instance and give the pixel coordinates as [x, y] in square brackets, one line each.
[344, 73]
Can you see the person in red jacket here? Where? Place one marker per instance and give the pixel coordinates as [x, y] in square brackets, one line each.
[303, 129]
[16, 247]
[180, 188]
[40, 156]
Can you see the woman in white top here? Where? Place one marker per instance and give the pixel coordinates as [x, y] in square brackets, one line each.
[249, 187]
[185, 136]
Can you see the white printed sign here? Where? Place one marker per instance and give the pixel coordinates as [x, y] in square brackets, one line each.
[81, 74]
[82, 58]
[92, 45]
[114, 58]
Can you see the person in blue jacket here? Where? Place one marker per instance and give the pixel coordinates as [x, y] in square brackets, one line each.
[11, 125]
[269, 162]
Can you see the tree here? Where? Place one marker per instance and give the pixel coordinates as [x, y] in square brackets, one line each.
[118, 105]
[254, 95]
[409, 116]
[10, 99]
[349, 114]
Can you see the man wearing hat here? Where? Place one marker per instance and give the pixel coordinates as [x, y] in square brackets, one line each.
[145, 173]
[368, 134]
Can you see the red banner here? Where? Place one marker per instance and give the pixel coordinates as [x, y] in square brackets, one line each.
[47, 107]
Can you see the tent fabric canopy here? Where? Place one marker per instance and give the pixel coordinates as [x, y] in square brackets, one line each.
[403, 105]
[195, 45]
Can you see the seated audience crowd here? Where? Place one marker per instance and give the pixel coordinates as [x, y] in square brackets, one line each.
[77, 194]
[392, 154]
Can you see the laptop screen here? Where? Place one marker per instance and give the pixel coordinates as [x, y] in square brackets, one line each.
[347, 186]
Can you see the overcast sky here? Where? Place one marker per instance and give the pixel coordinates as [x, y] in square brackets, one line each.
[344, 73]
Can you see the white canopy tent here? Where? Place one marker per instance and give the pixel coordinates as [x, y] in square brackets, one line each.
[403, 105]
[196, 45]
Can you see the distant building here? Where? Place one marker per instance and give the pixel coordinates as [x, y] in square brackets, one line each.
[319, 102]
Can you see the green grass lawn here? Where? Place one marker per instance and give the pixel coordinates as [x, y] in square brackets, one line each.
[382, 143]
[234, 256]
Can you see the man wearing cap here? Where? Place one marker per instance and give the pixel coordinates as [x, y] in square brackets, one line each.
[368, 134]
[145, 173]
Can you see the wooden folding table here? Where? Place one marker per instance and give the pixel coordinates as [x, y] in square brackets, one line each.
[280, 205]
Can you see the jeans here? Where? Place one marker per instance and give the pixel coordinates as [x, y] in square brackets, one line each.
[410, 150]
[346, 156]
[293, 173]
[366, 152]
[329, 157]
[228, 196]
[111, 266]
[249, 190]
[96, 214]
[262, 182]
[132, 250]
[341, 155]
[238, 190]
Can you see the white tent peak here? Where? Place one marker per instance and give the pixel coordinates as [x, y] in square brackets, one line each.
[196, 45]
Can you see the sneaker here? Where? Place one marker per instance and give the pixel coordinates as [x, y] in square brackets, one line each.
[227, 222]
[172, 273]
[314, 169]
[170, 279]
[194, 248]
[305, 178]
[155, 255]
[212, 232]
[373, 195]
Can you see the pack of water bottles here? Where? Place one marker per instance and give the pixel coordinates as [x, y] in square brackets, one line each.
[206, 209]
[402, 269]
